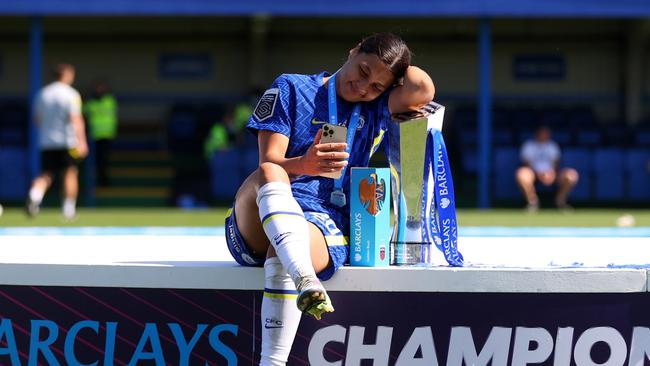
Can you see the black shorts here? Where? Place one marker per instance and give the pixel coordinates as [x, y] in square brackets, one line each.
[54, 161]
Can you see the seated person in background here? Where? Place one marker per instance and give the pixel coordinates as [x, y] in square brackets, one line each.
[540, 157]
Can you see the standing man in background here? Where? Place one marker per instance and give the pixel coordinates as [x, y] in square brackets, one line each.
[101, 112]
[62, 140]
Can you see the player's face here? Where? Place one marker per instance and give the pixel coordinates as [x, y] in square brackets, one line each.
[68, 76]
[543, 134]
[363, 78]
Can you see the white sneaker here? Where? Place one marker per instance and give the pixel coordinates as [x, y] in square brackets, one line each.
[32, 208]
[69, 214]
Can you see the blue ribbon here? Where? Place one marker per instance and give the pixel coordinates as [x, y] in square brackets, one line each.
[443, 226]
[352, 126]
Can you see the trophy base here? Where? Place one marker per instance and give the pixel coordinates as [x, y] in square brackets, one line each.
[409, 253]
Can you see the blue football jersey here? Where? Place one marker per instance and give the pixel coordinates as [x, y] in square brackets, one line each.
[296, 106]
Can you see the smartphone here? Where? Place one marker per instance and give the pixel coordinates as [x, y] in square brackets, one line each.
[333, 134]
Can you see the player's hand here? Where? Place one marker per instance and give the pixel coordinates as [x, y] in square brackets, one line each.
[82, 149]
[324, 158]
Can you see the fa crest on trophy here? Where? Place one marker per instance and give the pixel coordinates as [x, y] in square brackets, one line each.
[425, 229]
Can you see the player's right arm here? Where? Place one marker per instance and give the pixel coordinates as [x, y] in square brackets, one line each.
[80, 131]
[77, 121]
[319, 158]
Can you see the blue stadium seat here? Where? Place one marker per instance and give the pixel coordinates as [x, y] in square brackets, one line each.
[13, 136]
[250, 140]
[589, 137]
[616, 134]
[524, 118]
[468, 137]
[182, 125]
[524, 135]
[465, 116]
[470, 160]
[14, 115]
[608, 170]
[225, 174]
[501, 118]
[553, 117]
[250, 161]
[13, 125]
[502, 136]
[561, 136]
[182, 132]
[642, 136]
[581, 117]
[506, 162]
[637, 185]
[579, 158]
[14, 180]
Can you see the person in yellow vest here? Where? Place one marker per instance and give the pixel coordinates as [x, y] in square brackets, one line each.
[221, 137]
[241, 115]
[101, 112]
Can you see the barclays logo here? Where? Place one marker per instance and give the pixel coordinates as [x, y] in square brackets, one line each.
[444, 203]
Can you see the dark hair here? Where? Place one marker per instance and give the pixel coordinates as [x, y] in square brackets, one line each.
[59, 69]
[391, 49]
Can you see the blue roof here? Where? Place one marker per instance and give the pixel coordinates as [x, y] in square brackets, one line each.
[320, 8]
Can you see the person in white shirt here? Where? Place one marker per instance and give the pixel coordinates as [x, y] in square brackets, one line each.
[62, 140]
[540, 157]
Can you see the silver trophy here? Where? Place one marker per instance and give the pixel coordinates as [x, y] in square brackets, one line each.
[407, 139]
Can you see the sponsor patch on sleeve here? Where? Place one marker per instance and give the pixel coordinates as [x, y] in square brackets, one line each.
[266, 105]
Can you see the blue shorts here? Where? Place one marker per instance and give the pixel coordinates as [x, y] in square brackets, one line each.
[337, 244]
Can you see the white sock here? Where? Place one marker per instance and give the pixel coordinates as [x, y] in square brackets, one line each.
[285, 225]
[280, 317]
[36, 195]
[69, 207]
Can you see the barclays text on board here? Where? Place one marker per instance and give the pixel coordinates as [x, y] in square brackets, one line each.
[44, 333]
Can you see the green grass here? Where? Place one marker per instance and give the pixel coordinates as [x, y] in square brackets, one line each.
[214, 217]
[117, 217]
[577, 218]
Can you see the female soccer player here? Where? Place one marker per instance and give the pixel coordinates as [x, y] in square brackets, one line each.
[285, 216]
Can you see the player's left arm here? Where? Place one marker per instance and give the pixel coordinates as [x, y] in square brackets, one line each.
[415, 91]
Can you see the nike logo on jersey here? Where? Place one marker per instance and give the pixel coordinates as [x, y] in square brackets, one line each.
[316, 122]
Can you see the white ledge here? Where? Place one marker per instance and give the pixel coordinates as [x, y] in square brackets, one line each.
[512, 265]
[228, 275]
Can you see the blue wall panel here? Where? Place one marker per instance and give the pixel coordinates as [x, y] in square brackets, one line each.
[409, 8]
